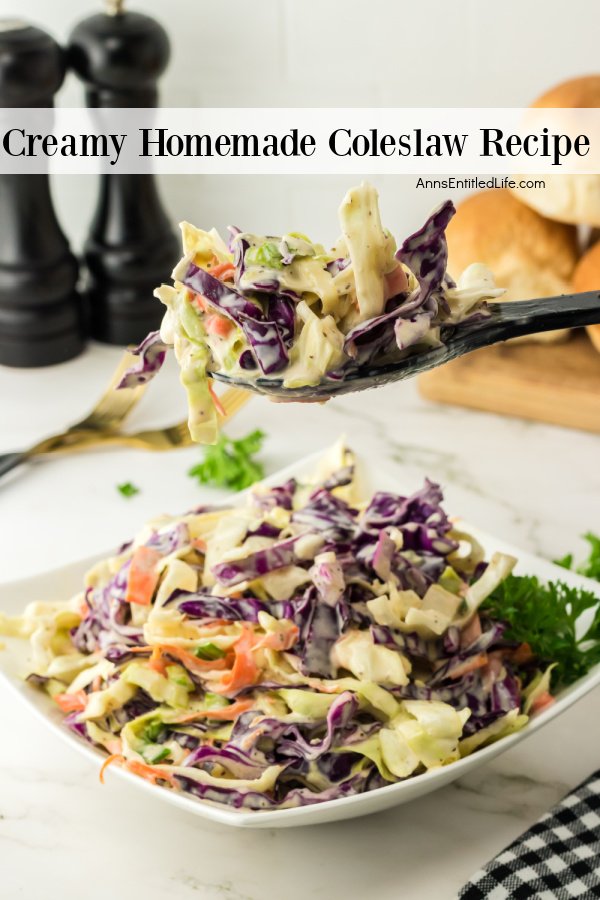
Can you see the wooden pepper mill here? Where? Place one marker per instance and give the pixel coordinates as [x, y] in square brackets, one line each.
[131, 247]
[40, 311]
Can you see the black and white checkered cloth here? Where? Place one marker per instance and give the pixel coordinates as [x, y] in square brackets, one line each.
[557, 859]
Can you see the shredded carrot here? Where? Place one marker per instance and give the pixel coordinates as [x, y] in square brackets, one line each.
[215, 399]
[114, 746]
[522, 654]
[244, 671]
[544, 700]
[193, 663]
[83, 609]
[222, 270]
[198, 301]
[469, 665]
[223, 714]
[113, 758]
[280, 640]
[71, 702]
[97, 683]
[149, 773]
[157, 662]
[199, 544]
[143, 576]
[217, 324]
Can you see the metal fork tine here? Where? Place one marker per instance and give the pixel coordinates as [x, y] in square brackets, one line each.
[174, 436]
[100, 427]
[113, 405]
[177, 435]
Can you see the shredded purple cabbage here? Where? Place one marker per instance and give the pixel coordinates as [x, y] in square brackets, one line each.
[152, 353]
[263, 336]
[396, 542]
[207, 606]
[256, 564]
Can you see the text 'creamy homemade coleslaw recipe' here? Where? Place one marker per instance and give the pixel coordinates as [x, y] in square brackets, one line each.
[266, 307]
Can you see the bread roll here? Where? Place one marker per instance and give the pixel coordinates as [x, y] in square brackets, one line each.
[587, 278]
[568, 198]
[530, 256]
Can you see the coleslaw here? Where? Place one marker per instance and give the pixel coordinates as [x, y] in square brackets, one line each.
[307, 645]
[265, 307]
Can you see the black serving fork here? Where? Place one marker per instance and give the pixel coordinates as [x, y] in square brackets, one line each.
[505, 321]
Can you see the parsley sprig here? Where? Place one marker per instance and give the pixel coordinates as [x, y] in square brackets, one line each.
[127, 489]
[590, 567]
[229, 463]
[545, 616]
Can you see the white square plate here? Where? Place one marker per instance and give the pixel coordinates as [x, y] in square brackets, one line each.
[62, 583]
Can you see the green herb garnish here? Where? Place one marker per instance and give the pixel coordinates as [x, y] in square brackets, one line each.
[545, 616]
[589, 567]
[229, 463]
[128, 489]
[209, 651]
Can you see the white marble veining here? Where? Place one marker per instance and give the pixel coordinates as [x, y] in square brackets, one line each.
[536, 486]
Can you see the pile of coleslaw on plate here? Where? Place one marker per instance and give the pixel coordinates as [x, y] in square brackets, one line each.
[282, 307]
[307, 645]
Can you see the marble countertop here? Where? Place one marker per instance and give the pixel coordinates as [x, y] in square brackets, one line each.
[534, 485]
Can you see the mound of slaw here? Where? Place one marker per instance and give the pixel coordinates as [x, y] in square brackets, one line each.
[305, 646]
[285, 308]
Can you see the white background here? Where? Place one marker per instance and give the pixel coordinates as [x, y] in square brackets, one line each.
[333, 53]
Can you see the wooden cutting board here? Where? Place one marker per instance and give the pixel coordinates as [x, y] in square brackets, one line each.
[557, 383]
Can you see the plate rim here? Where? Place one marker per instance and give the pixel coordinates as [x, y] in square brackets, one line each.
[420, 784]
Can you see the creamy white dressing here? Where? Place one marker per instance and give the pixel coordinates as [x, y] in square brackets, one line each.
[371, 250]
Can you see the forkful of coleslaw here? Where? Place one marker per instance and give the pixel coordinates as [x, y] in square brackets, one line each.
[284, 317]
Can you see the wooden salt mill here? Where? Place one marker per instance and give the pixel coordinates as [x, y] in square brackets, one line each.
[131, 247]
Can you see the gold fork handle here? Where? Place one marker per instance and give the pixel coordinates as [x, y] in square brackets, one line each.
[66, 441]
[81, 437]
